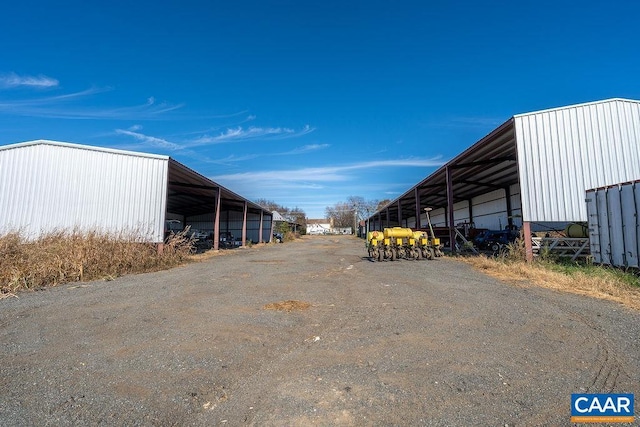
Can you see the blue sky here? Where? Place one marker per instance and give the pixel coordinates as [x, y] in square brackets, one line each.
[304, 102]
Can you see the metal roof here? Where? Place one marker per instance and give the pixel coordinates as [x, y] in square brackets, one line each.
[487, 165]
[188, 192]
[81, 147]
[493, 162]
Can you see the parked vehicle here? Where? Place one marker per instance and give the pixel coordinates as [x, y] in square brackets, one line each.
[197, 234]
[227, 241]
[172, 226]
[494, 239]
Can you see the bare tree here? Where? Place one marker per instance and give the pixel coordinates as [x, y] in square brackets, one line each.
[381, 204]
[347, 214]
[364, 208]
[342, 214]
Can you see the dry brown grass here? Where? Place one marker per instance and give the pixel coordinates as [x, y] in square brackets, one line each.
[592, 281]
[288, 306]
[69, 256]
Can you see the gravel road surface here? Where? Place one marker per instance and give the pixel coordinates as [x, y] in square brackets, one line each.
[393, 343]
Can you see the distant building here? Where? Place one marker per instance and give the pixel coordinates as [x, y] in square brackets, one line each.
[320, 226]
[279, 219]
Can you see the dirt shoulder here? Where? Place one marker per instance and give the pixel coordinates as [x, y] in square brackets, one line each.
[395, 343]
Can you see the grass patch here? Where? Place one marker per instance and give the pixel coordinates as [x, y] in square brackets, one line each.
[70, 256]
[566, 276]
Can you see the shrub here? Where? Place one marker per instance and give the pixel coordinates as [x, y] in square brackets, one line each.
[68, 256]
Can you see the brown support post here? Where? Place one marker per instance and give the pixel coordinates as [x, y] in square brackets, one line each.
[526, 235]
[417, 196]
[452, 232]
[261, 216]
[244, 224]
[399, 214]
[470, 202]
[216, 223]
[387, 211]
[271, 231]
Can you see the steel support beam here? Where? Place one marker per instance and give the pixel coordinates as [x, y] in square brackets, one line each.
[452, 230]
[244, 224]
[216, 223]
[484, 162]
[260, 239]
[480, 184]
[507, 194]
[417, 196]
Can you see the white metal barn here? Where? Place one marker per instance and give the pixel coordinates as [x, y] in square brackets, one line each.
[49, 185]
[533, 169]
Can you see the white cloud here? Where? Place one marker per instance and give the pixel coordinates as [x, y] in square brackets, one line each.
[58, 106]
[241, 134]
[12, 80]
[328, 174]
[151, 140]
[306, 149]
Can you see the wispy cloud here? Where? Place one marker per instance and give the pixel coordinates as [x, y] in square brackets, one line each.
[12, 80]
[150, 140]
[241, 134]
[315, 176]
[306, 149]
[61, 107]
[188, 144]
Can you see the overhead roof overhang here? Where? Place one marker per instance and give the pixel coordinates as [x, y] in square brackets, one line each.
[489, 164]
[190, 194]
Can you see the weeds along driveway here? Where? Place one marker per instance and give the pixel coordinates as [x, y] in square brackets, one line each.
[393, 343]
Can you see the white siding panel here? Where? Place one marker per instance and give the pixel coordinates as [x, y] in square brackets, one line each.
[46, 187]
[202, 222]
[490, 210]
[565, 151]
[461, 212]
[438, 218]
[516, 206]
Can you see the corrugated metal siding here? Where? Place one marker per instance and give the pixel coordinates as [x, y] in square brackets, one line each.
[564, 152]
[45, 187]
[490, 210]
[266, 228]
[614, 224]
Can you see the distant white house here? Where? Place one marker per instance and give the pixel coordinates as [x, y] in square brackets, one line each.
[319, 226]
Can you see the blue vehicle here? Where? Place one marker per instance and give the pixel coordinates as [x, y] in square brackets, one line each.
[494, 240]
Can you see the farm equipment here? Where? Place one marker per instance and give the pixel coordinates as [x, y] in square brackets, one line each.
[401, 243]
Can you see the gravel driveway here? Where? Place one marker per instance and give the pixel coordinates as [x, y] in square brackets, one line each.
[392, 343]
